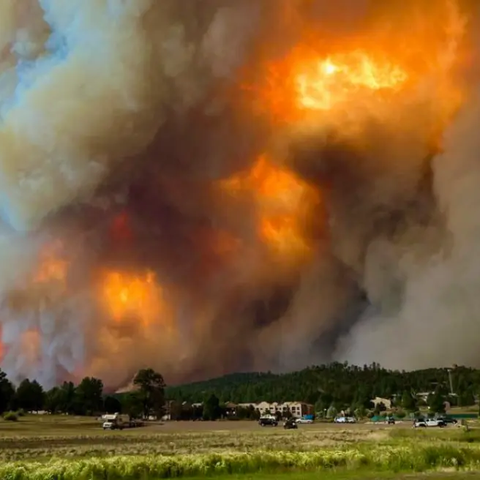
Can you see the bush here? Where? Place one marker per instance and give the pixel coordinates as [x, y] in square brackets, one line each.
[360, 412]
[10, 416]
[21, 412]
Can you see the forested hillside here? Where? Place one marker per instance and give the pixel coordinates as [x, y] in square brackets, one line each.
[336, 383]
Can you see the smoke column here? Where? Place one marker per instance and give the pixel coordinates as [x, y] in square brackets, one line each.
[211, 186]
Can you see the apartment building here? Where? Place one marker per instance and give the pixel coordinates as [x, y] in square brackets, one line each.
[297, 409]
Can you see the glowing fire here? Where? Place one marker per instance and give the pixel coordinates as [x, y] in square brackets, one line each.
[323, 84]
[283, 233]
[280, 197]
[128, 295]
[305, 81]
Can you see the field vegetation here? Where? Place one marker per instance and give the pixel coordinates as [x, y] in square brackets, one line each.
[61, 448]
[67, 442]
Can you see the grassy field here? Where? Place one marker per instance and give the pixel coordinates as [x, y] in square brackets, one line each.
[357, 475]
[61, 448]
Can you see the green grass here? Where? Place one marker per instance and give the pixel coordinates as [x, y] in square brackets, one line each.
[401, 458]
[342, 475]
[67, 448]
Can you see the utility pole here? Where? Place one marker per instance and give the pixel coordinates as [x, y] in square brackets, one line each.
[449, 370]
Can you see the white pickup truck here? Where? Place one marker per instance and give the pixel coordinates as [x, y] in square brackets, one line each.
[429, 422]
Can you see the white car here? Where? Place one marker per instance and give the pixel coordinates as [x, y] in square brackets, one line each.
[345, 420]
[304, 420]
[429, 422]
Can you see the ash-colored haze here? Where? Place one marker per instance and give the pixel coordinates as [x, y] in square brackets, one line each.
[136, 109]
[431, 274]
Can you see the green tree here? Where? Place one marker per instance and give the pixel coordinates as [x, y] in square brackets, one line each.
[30, 396]
[112, 405]
[132, 404]
[466, 399]
[152, 391]
[360, 412]
[89, 396]
[211, 408]
[337, 383]
[436, 403]
[67, 397]
[408, 401]
[7, 392]
[53, 400]
[362, 398]
[61, 399]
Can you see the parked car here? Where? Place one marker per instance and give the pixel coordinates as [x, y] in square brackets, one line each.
[290, 424]
[304, 420]
[429, 422]
[447, 420]
[268, 420]
[344, 420]
[390, 420]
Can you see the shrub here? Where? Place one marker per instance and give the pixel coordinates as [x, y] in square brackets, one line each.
[21, 412]
[10, 416]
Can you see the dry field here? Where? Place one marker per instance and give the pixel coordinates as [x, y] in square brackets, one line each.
[76, 437]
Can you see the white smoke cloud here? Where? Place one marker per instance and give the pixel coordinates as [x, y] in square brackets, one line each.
[436, 313]
[84, 87]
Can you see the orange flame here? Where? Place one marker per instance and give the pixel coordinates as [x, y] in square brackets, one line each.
[280, 197]
[321, 85]
[305, 82]
[128, 295]
[374, 63]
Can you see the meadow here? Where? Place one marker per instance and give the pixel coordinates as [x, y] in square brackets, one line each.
[64, 448]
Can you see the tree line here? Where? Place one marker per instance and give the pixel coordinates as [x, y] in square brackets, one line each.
[340, 386]
[331, 388]
[86, 398]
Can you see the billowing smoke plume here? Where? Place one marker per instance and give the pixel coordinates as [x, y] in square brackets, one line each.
[205, 186]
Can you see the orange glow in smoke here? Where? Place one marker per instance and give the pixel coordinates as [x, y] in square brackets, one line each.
[395, 51]
[120, 228]
[52, 266]
[281, 199]
[132, 296]
[225, 244]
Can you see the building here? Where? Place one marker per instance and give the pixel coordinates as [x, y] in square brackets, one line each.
[297, 409]
[378, 400]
